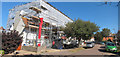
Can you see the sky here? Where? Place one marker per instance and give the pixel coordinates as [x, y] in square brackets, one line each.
[105, 16]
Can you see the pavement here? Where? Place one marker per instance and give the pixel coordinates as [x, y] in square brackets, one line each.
[23, 52]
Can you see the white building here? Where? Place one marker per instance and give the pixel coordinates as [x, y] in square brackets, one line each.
[25, 19]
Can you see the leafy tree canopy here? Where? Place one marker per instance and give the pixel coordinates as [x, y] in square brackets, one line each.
[98, 36]
[105, 32]
[81, 29]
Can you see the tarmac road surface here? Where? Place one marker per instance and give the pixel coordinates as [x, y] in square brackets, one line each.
[96, 50]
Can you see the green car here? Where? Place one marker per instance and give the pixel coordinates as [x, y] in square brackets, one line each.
[109, 46]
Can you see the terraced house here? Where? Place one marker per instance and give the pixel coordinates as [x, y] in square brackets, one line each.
[27, 20]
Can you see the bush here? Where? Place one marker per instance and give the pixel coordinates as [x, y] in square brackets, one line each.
[2, 52]
[10, 41]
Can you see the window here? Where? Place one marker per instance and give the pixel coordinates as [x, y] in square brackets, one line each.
[43, 8]
[33, 30]
[10, 26]
[111, 44]
[13, 17]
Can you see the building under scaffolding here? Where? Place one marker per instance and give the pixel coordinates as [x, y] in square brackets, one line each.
[26, 18]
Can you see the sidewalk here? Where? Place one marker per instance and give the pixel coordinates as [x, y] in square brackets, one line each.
[63, 51]
[47, 51]
[23, 52]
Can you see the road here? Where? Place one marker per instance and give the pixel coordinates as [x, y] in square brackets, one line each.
[97, 50]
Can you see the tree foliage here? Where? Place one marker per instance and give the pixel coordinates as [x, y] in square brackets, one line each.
[104, 33]
[118, 36]
[98, 36]
[109, 40]
[10, 41]
[80, 29]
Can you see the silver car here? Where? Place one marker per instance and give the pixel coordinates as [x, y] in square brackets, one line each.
[90, 44]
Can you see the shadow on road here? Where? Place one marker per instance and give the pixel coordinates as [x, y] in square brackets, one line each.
[87, 47]
[102, 47]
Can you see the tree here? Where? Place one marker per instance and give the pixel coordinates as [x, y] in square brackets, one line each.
[109, 40]
[10, 41]
[105, 32]
[118, 36]
[98, 36]
[81, 29]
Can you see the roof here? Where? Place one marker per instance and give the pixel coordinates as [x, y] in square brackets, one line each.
[1, 28]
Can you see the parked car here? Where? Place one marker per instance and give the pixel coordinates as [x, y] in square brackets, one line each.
[109, 46]
[90, 44]
[70, 43]
[57, 44]
[65, 43]
[102, 43]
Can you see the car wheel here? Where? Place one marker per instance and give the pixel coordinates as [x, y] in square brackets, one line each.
[92, 46]
[85, 47]
[66, 46]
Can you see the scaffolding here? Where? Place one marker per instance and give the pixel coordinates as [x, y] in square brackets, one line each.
[49, 31]
[30, 14]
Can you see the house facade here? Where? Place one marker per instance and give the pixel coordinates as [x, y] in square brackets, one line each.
[26, 20]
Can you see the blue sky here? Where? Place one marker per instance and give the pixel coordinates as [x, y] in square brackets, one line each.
[105, 16]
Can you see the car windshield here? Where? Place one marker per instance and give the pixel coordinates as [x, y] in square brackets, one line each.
[111, 44]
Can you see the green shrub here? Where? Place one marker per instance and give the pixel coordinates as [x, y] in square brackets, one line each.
[2, 52]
